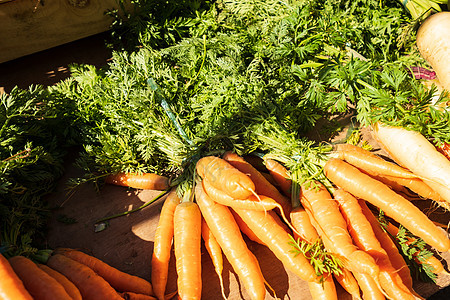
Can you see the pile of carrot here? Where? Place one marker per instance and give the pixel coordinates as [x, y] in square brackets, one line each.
[69, 274]
[234, 198]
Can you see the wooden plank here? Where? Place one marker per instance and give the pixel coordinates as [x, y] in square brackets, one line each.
[29, 26]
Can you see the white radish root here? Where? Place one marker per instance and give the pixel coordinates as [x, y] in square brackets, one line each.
[413, 151]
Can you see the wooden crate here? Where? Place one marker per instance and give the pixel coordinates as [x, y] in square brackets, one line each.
[29, 26]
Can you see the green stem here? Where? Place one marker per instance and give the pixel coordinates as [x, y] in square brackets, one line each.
[203, 58]
[133, 210]
[169, 112]
[295, 189]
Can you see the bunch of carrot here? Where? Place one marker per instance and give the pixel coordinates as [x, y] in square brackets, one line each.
[233, 198]
[69, 274]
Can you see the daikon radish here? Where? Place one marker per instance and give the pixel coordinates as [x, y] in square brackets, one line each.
[433, 42]
[414, 152]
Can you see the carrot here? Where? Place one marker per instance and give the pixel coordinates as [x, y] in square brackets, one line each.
[262, 186]
[280, 174]
[345, 278]
[436, 265]
[302, 224]
[414, 152]
[419, 187]
[227, 233]
[277, 239]
[348, 282]
[254, 202]
[325, 290]
[362, 233]
[415, 185]
[331, 226]
[256, 161]
[225, 177]
[392, 183]
[363, 186]
[11, 286]
[162, 245]
[91, 285]
[269, 178]
[38, 283]
[369, 286]
[432, 261]
[390, 173]
[215, 252]
[121, 281]
[245, 229]
[187, 244]
[68, 285]
[366, 160]
[146, 181]
[389, 246]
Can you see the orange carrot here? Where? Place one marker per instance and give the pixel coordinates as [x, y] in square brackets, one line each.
[387, 172]
[369, 287]
[366, 160]
[121, 281]
[302, 224]
[11, 286]
[404, 186]
[91, 285]
[389, 246]
[280, 174]
[362, 233]
[162, 245]
[277, 240]
[256, 162]
[215, 252]
[269, 179]
[432, 261]
[39, 284]
[68, 285]
[330, 224]
[345, 278]
[436, 265]
[403, 211]
[254, 202]
[245, 229]
[325, 290]
[306, 231]
[227, 233]
[262, 186]
[393, 184]
[225, 177]
[349, 283]
[146, 181]
[187, 244]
